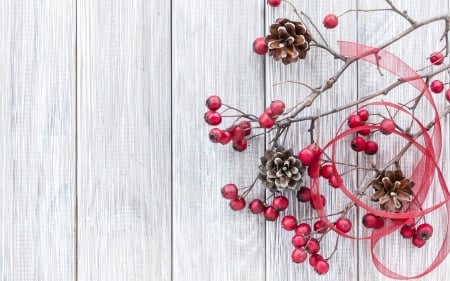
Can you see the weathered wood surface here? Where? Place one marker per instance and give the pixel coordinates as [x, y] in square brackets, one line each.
[124, 140]
[37, 140]
[212, 53]
[106, 170]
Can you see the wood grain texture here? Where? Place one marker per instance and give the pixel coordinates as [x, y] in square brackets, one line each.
[212, 53]
[315, 70]
[395, 252]
[101, 105]
[37, 140]
[124, 179]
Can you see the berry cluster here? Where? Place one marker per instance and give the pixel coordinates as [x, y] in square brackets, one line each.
[306, 240]
[419, 235]
[270, 212]
[359, 120]
[235, 134]
[269, 117]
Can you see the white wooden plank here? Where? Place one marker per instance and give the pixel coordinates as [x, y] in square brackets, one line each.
[395, 252]
[318, 67]
[37, 140]
[212, 53]
[124, 137]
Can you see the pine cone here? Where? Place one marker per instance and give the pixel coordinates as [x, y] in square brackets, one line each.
[288, 40]
[280, 169]
[392, 190]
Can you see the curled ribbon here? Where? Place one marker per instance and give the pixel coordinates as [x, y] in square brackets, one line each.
[425, 171]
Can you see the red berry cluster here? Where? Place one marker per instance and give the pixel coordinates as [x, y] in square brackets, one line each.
[358, 143]
[418, 235]
[304, 196]
[235, 134]
[257, 206]
[372, 221]
[310, 157]
[306, 240]
[269, 117]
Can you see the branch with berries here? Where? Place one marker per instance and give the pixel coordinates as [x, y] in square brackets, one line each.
[392, 199]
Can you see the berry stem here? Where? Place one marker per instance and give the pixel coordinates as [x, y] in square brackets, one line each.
[404, 13]
[335, 247]
[364, 11]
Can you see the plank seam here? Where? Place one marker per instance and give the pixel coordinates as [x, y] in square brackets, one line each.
[171, 144]
[76, 147]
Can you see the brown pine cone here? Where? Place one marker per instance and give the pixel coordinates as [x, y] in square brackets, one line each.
[392, 190]
[288, 40]
[280, 169]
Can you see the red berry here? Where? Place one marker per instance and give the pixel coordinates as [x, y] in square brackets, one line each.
[447, 95]
[240, 145]
[387, 126]
[270, 213]
[322, 267]
[299, 255]
[320, 204]
[274, 3]
[364, 132]
[246, 126]
[358, 144]
[363, 114]
[436, 58]
[306, 156]
[424, 231]
[213, 102]
[326, 171]
[354, 121]
[213, 118]
[371, 147]
[215, 134]
[344, 225]
[277, 107]
[238, 133]
[229, 191]
[314, 170]
[269, 112]
[260, 46]
[369, 220]
[280, 203]
[225, 137]
[437, 86]
[312, 246]
[315, 149]
[289, 223]
[266, 121]
[418, 242]
[303, 229]
[299, 241]
[330, 21]
[314, 259]
[237, 204]
[320, 226]
[335, 181]
[407, 231]
[256, 206]
[304, 194]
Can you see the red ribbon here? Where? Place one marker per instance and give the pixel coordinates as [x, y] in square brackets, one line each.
[425, 171]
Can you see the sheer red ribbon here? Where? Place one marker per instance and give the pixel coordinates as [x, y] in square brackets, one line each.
[426, 174]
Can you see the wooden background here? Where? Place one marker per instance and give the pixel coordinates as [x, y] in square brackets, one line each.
[106, 172]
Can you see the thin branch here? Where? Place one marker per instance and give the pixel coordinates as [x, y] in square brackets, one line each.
[401, 13]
